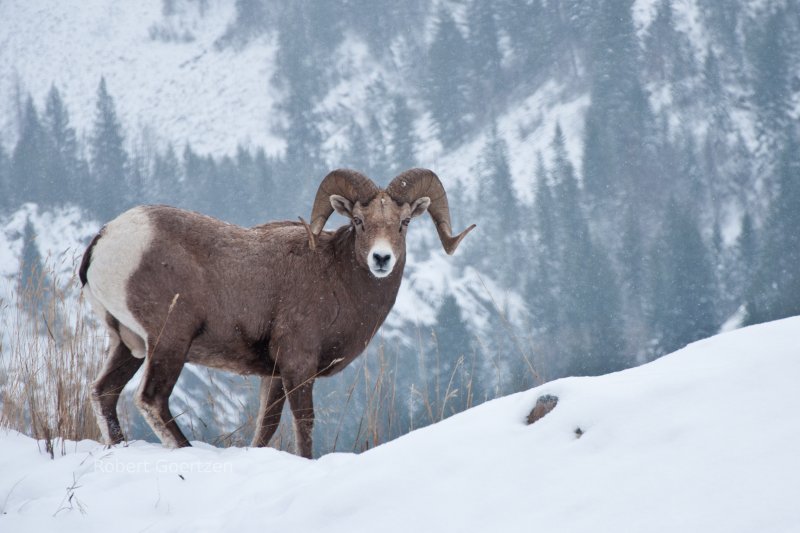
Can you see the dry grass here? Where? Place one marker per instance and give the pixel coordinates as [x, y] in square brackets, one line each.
[52, 348]
[49, 351]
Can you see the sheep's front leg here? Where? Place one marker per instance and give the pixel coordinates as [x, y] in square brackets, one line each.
[269, 412]
[297, 359]
[299, 389]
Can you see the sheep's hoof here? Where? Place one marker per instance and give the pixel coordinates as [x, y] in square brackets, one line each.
[544, 405]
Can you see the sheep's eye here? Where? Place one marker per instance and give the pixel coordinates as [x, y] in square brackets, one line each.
[357, 221]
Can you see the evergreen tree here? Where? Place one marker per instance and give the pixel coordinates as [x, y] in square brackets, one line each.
[199, 180]
[5, 180]
[633, 257]
[722, 19]
[776, 291]
[682, 284]
[251, 21]
[543, 208]
[500, 235]
[31, 267]
[454, 353]
[661, 42]
[772, 92]
[633, 268]
[246, 187]
[108, 157]
[263, 186]
[541, 291]
[447, 87]
[712, 77]
[618, 163]
[590, 333]
[165, 183]
[379, 164]
[64, 167]
[357, 154]
[226, 200]
[299, 74]
[484, 53]
[599, 317]
[30, 181]
[531, 35]
[401, 135]
[745, 262]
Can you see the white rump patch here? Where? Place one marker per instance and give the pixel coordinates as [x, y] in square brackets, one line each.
[115, 257]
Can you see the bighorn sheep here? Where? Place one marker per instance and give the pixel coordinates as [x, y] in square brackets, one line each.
[285, 300]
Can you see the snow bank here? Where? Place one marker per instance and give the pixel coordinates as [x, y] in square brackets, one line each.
[701, 440]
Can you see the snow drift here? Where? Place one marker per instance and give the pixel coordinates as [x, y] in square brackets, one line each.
[703, 439]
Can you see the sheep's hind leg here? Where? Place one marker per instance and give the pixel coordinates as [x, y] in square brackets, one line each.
[118, 369]
[269, 412]
[161, 371]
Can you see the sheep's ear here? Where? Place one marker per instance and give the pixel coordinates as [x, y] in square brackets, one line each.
[342, 205]
[420, 206]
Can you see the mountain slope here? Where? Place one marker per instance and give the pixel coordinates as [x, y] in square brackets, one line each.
[700, 440]
[182, 91]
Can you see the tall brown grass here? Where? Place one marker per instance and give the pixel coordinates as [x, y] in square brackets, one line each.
[49, 350]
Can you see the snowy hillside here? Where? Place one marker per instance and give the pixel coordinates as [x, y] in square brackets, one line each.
[183, 91]
[632, 168]
[701, 440]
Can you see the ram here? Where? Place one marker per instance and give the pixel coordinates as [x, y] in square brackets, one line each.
[286, 301]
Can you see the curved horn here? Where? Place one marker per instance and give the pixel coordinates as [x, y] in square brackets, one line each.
[351, 184]
[415, 183]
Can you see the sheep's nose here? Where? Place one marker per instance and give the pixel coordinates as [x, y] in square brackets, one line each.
[381, 260]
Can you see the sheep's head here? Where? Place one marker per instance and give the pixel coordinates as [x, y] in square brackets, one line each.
[380, 218]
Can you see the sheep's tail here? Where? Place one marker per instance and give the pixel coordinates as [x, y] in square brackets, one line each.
[87, 258]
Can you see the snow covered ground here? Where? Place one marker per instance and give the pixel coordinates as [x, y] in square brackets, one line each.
[704, 439]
